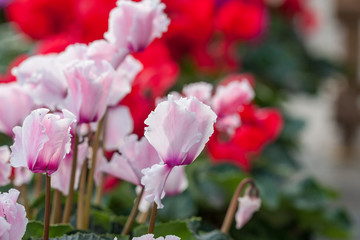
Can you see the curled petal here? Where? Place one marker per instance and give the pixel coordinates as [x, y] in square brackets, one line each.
[166, 131]
[134, 25]
[154, 180]
[14, 214]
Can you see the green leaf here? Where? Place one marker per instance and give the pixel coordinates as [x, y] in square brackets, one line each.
[5, 140]
[178, 228]
[36, 229]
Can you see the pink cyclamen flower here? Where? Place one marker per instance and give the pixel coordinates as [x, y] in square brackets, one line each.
[22, 175]
[89, 86]
[178, 130]
[13, 219]
[15, 105]
[247, 206]
[42, 142]
[134, 25]
[5, 168]
[151, 237]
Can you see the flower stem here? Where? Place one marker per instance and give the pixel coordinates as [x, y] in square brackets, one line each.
[56, 207]
[90, 184]
[70, 199]
[233, 204]
[99, 191]
[132, 215]
[81, 197]
[38, 185]
[152, 219]
[47, 208]
[142, 217]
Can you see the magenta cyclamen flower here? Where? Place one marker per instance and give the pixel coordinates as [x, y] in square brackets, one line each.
[13, 219]
[42, 142]
[247, 206]
[134, 25]
[178, 130]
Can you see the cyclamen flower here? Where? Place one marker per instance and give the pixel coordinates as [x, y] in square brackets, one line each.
[13, 219]
[178, 130]
[134, 25]
[89, 86]
[42, 142]
[247, 206]
[5, 168]
[151, 237]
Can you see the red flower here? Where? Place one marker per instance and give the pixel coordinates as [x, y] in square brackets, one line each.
[40, 19]
[241, 19]
[160, 71]
[259, 127]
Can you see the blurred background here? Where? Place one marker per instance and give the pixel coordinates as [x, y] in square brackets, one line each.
[301, 142]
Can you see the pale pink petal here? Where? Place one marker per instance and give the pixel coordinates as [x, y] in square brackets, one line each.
[172, 237]
[205, 118]
[29, 140]
[154, 180]
[73, 53]
[200, 90]
[176, 182]
[15, 105]
[14, 214]
[54, 150]
[60, 180]
[126, 73]
[22, 176]
[5, 168]
[89, 86]
[172, 130]
[4, 229]
[119, 124]
[145, 237]
[134, 25]
[140, 154]
[43, 74]
[247, 206]
[100, 50]
[229, 98]
[118, 167]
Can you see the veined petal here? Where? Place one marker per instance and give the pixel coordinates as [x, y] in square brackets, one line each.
[173, 130]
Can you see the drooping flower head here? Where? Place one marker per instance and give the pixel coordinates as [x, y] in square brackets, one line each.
[13, 219]
[178, 130]
[247, 206]
[134, 25]
[42, 142]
